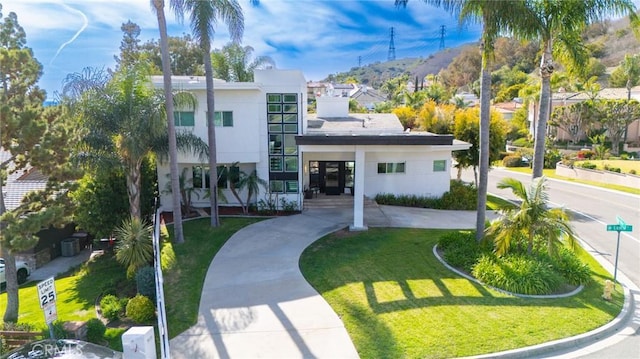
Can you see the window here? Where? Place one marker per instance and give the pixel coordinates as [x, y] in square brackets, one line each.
[290, 147]
[439, 165]
[276, 187]
[274, 107]
[291, 128]
[290, 97]
[275, 163]
[290, 118]
[184, 118]
[275, 144]
[291, 164]
[391, 167]
[291, 186]
[222, 176]
[200, 177]
[291, 108]
[274, 97]
[234, 176]
[223, 119]
[274, 118]
[275, 128]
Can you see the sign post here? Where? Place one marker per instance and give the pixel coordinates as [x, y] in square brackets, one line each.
[47, 299]
[621, 226]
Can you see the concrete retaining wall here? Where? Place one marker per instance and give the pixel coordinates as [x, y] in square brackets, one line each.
[622, 179]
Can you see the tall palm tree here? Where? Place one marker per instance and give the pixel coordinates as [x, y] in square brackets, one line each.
[233, 62]
[204, 15]
[532, 220]
[497, 17]
[558, 25]
[158, 7]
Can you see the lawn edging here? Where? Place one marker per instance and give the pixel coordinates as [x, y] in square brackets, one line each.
[532, 296]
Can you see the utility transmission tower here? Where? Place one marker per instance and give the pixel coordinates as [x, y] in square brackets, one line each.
[392, 48]
[443, 31]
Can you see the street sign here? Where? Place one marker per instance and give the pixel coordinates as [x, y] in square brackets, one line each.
[619, 228]
[50, 312]
[620, 221]
[47, 292]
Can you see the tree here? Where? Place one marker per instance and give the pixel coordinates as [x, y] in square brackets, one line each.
[615, 116]
[558, 25]
[496, 17]
[204, 15]
[158, 6]
[185, 55]
[533, 220]
[134, 248]
[129, 46]
[36, 139]
[233, 63]
[575, 119]
[239, 180]
[467, 127]
[627, 74]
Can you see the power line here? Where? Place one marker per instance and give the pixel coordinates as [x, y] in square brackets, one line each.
[392, 48]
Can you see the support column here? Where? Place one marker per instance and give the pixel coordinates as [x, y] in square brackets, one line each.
[358, 194]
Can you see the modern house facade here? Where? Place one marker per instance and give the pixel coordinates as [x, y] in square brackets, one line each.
[264, 126]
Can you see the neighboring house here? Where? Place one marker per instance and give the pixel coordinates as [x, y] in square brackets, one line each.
[315, 89]
[562, 98]
[367, 97]
[16, 186]
[264, 126]
[340, 90]
[507, 109]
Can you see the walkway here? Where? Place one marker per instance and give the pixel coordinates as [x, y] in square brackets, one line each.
[255, 302]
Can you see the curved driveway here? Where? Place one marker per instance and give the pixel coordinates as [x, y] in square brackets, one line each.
[255, 302]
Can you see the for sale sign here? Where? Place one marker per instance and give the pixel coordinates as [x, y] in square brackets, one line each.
[47, 292]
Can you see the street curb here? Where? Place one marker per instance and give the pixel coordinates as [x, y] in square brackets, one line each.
[577, 341]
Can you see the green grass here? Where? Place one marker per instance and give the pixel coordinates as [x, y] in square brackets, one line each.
[183, 281]
[396, 300]
[624, 165]
[494, 203]
[551, 173]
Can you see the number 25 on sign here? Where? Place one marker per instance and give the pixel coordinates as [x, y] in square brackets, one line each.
[47, 292]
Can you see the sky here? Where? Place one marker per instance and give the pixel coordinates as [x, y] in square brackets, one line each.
[319, 37]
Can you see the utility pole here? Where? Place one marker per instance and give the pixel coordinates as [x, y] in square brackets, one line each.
[392, 48]
[443, 31]
[359, 61]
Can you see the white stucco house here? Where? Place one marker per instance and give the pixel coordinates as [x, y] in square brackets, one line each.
[264, 126]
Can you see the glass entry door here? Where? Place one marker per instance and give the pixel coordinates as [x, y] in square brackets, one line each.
[332, 178]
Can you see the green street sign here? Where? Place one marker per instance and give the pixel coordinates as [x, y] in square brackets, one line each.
[619, 227]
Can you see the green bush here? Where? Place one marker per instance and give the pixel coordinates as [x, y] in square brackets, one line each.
[460, 249]
[588, 165]
[612, 169]
[461, 196]
[512, 161]
[58, 330]
[551, 158]
[522, 142]
[111, 307]
[95, 331]
[632, 172]
[146, 282]
[571, 268]
[517, 274]
[140, 309]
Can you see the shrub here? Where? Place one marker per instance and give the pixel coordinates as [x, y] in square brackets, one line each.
[95, 331]
[111, 307]
[460, 249]
[522, 142]
[632, 172]
[58, 331]
[140, 309]
[585, 154]
[517, 274]
[551, 158]
[146, 282]
[588, 165]
[571, 268]
[612, 169]
[512, 161]
[460, 196]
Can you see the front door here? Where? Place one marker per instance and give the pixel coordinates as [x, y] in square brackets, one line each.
[332, 178]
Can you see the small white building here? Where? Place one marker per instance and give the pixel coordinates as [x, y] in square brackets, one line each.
[264, 126]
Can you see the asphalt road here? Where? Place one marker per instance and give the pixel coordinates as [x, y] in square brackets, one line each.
[593, 209]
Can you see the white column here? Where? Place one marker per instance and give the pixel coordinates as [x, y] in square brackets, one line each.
[358, 194]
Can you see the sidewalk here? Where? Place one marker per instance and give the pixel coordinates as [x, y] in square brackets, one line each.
[60, 265]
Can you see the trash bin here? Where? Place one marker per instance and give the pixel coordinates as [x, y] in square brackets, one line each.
[70, 247]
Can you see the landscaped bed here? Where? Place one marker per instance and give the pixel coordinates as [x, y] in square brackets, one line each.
[397, 300]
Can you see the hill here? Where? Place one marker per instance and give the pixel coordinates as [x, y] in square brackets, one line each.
[378, 72]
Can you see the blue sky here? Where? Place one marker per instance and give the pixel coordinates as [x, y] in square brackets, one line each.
[319, 37]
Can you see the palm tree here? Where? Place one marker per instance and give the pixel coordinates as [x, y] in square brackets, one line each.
[251, 182]
[558, 26]
[134, 248]
[496, 17]
[532, 220]
[158, 7]
[233, 62]
[204, 15]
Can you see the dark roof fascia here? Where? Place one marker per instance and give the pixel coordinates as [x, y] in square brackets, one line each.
[401, 140]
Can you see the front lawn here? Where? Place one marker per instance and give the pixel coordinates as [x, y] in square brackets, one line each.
[397, 300]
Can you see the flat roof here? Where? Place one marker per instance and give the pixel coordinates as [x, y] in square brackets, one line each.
[401, 139]
[354, 123]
